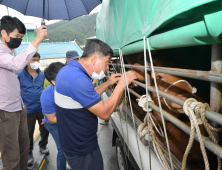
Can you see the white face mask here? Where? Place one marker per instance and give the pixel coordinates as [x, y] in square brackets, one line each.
[99, 76]
[35, 65]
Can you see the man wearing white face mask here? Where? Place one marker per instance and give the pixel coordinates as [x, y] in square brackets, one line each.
[31, 84]
[78, 104]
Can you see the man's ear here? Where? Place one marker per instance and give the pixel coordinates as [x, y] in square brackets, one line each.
[53, 82]
[3, 33]
[93, 59]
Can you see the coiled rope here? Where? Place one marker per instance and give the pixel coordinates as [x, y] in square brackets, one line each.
[191, 108]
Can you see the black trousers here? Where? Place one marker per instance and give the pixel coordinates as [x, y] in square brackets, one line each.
[92, 161]
[44, 133]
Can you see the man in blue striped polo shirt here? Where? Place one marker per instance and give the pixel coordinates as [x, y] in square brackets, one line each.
[78, 104]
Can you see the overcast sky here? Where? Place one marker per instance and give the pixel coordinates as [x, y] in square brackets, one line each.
[30, 19]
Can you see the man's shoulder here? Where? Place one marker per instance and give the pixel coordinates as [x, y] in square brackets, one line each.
[47, 91]
[21, 73]
[72, 74]
[2, 52]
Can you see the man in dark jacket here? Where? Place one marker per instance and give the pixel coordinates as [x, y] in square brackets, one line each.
[31, 84]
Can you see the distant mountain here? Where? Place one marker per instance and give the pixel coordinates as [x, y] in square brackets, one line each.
[78, 28]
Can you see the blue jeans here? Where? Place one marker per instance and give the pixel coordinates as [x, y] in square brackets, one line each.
[61, 160]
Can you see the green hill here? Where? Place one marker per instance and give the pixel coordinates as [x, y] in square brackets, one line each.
[78, 28]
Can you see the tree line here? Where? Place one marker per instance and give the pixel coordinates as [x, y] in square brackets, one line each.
[78, 28]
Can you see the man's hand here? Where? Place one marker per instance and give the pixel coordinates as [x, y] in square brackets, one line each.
[130, 76]
[42, 33]
[113, 79]
[104, 109]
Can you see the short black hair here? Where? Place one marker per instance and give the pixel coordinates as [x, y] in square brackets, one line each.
[37, 55]
[52, 70]
[9, 24]
[97, 46]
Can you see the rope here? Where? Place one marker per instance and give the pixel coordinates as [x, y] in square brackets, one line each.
[148, 97]
[148, 135]
[157, 92]
[142, 102]
[122, 66]
[193, 90]
[125, 79]
[126, 125]
[191, 108]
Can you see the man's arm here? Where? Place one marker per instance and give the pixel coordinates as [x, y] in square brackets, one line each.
[40, 35]
[113, 79]
[51, 118]
[20, 61]
[104, 109]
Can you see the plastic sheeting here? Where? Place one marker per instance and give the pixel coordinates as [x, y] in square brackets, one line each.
[167, 23]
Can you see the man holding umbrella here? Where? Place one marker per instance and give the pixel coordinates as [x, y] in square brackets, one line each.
[14, 139]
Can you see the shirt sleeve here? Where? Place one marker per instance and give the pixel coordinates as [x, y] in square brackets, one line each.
[48, 106]
[17, 63]
[84, 92]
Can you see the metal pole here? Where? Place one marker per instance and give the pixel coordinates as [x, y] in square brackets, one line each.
[7, 10]
[43, 13]
[195, 74]
[43, 10]
[215, 88]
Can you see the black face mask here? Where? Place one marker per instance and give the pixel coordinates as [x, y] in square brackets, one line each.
[14, 42]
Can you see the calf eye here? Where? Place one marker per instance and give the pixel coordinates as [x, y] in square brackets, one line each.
[159, 77]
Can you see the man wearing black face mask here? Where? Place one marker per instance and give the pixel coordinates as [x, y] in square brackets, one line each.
[14, 139]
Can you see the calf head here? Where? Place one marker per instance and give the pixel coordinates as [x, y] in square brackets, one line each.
[137, 60]
[175, 87]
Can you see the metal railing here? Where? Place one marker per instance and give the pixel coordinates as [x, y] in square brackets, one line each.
[213, 116]
[195, 74]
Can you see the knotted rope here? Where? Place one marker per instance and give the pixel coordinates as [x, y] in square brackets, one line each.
[191, 108]
[147, 134]
[142, 103]
[143, 132]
